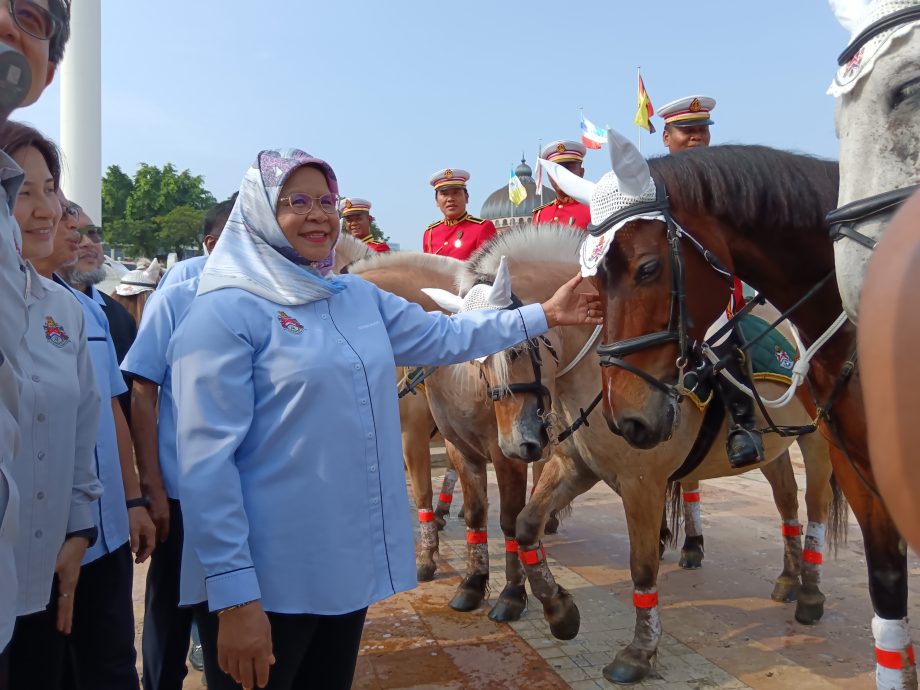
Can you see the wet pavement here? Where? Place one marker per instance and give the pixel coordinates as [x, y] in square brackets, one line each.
[721, 629]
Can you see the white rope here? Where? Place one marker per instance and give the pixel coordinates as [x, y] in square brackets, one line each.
[581, 355]
[799, 369]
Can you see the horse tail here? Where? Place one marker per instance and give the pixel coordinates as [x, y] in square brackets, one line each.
[673, 512]
[838, 517]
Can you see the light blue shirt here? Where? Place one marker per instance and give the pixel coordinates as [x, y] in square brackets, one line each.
[111, 513]
[290, 463]
[55, 468]
[182, 271]
[12, 331]
[147, 359]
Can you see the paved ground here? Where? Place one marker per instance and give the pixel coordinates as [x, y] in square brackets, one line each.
[721, 628]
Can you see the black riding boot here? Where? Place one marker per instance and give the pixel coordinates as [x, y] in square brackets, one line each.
[744, 444]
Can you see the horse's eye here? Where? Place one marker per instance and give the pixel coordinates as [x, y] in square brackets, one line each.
[648, 270]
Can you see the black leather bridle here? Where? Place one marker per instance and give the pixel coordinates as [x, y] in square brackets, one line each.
[843, 219]
[679, 323]
[536, 388]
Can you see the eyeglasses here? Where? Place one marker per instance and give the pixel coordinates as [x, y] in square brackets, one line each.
[302, 204]
[34, 19]
[72, 210]
[93, 232]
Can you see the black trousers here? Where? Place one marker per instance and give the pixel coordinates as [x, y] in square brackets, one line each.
[310, 651]
[166, 626]
[102, 641]
[37, 652]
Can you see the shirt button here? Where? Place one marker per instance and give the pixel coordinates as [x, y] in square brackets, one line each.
[38, 534]
[40, 495]
[370, 434]
[41, 455]
[41, 417]
[341, 341]
[357, 366]
[373, 468]
[36, 378]
[364, 401]
[323, 316]
[375, 501]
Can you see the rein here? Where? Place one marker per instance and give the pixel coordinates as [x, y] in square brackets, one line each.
[413, 379]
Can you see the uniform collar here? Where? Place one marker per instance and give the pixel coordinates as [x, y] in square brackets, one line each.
[563, 200]
[368, 240]
[451, 223]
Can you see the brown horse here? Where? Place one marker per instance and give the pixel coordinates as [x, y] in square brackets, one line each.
[464, 416]
[536, 386]
[759, 214]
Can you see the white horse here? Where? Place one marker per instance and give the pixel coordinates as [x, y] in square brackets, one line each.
[878, 126]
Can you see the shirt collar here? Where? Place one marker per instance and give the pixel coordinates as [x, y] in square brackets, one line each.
[96, 296]
[451, 223]
[11, 178]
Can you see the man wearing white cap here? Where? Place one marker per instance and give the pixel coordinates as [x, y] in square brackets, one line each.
[686, 122]
[356, 213]
[564, 209]
[686, 126]
[459, 234]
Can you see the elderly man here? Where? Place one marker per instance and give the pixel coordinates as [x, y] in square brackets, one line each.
[564, 209]
[39, 46]
[356, 213]
[88, 272]
[686, 126]
[458, 234]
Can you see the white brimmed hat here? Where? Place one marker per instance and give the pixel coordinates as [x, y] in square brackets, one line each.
[139, 280]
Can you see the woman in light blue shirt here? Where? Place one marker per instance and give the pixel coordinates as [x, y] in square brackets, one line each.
[291, 473]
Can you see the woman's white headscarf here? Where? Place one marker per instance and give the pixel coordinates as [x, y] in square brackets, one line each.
[253, 254]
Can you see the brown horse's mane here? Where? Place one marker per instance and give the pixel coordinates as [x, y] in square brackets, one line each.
[750, 187]
[550, 242]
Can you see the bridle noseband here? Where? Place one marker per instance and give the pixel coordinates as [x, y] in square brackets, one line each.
[844, 218]
[679, 322]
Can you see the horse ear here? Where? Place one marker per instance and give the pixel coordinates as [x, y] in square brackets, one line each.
[444, 299]
[152, 272]
[500, 295]
[849, 12]
[576, 187]
[629, 165]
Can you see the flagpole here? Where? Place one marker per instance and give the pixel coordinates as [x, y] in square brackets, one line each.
[639, 132]
[539, 168]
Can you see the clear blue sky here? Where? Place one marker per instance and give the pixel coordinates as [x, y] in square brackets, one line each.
[389, 92]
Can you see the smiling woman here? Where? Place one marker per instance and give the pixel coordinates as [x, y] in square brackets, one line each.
[287, 419]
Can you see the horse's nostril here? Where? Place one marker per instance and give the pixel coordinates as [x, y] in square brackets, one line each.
[530, 451]
[637, 432]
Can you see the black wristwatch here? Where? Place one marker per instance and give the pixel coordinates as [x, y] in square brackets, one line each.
[90, 534]
[142, 502]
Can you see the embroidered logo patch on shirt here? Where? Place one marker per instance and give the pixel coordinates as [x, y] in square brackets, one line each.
[54, 333]
[290, 324]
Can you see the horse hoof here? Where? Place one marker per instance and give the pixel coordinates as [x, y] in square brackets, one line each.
[690, 559]
[466, 600]
[809, 609]
[425, 572]
[562, 615]
[552, 525]
[510, 605]
[440, 521]
[629, 666]
[785, 590]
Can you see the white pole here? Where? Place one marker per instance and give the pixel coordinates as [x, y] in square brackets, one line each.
[81, 109]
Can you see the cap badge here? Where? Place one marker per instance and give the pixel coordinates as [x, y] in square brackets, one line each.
[695, 106]
[448, 174]
[347, 203]
[560, 148]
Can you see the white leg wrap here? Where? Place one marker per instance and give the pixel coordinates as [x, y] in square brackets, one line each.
[894, 656]
[693, 523]
[813, 553]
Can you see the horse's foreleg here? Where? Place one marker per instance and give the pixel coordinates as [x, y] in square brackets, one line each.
[446, 496]
[643, 500]
[691, 553]
[886, 560]
[418, 462]
[785, 495]
[563, 479]
[512, 492]
[552, 523]
[818, 495]
[472, 474]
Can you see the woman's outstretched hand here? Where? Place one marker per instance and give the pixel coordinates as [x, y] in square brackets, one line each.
[568, 307]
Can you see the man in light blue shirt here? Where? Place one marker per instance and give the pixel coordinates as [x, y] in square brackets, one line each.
[212, 226]
[102, 640]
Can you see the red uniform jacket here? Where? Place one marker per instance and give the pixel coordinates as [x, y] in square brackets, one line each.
[459, 239]
[566, 211]
[375, 245]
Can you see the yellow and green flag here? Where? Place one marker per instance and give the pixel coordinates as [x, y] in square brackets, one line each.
[645, 109]
[516, 191]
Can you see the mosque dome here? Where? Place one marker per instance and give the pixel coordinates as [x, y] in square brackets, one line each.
[499, 209]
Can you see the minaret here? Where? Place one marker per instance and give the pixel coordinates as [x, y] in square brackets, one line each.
[81, 108]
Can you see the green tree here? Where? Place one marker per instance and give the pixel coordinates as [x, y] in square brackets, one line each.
[158, 211]
[116, 188]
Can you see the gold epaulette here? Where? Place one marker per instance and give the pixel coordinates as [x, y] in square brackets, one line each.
[435, 224]
[474, 219]
[540, 208]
